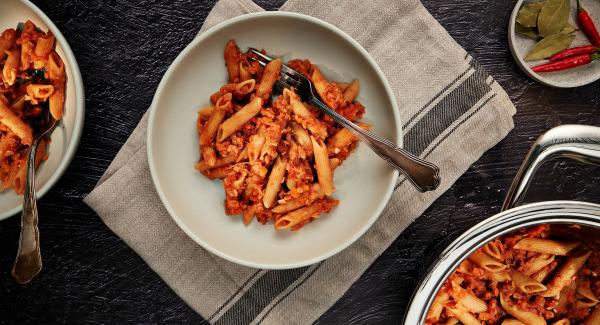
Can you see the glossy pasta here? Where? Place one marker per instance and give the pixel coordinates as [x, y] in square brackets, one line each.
[539, 275]
[32, 80]
[275, 154]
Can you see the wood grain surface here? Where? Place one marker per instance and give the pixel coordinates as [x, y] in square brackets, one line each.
[123, 48]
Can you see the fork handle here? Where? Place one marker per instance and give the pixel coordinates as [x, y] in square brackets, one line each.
[29, 259]
[422, 174]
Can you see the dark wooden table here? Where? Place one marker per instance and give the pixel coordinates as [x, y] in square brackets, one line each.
[123, 49]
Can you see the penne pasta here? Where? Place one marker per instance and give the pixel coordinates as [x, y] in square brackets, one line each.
[209, 155]
[502, 276]
[295, 217]
[351, 92]
[232, 55]
[255, 145]
[39, 93]
[341, 139]
[324, 171]
[297, 203]
[44, 45]
[244, 88]
[274, 183]
[205, 111]
[342, 85]
[524, 316]
[329, 93]
[302, 137]
[537, 263]
[244, 69]
[203, 165]
[565, 275]
[15, 124]
[249, 214]
[237, 120]
[546, 246]
[11, 67]
[486, 262]
[466, 299]
[463, 316]
[525, 283]
[27, 49]
[493, 249]
[269, 77]
[7, 40]
[433, 315]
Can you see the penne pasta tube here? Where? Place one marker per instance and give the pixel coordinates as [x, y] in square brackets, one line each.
[525, 283]
[220, 172]
[593, 318]
[11, 67]
[205, 111]
[342, 85]
[486, 262]
[237, 120]
[493, 249]
[214, 120]
[274, 182]
[537, 263]
[351, 92]
[463, 316]
[329, 93]
[244, 88]
[231, 56]
[298, 107]
[302, 137]
[467, 299]
[255, 145]
[502, 276]
[299, 202]
[56, 102]
[335, 163]
[244, 69]
[341, 139]
[524, 316]
[303, 214]
[209, 155]
[512, 321]
[39, 93]
[546, 246]
[202, 165]
[586, 292]
[44, 45]
[324, 171]
[565, 275]
[433, 315]
[55, 69]
[26, 52]
[269, 77]
[7, 39]
[243, 155]
[15, 124]
[249, 214]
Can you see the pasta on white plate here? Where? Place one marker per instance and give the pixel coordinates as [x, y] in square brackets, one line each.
[32, 81]
[275, 154]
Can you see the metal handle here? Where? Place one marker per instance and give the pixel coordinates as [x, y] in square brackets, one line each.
[424, 175]
[29, 259]
[578, 142]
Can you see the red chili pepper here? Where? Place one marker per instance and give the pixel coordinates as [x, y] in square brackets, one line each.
[567, 63]
[588, 49]
[587, 25]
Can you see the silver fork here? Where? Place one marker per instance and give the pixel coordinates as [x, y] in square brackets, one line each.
[422, 174]
[28, 262]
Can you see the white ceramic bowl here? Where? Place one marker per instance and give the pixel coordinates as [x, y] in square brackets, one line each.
[520, 45]
[65, 137]
[364, 182]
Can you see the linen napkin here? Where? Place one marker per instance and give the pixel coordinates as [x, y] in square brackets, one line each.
[452, 113]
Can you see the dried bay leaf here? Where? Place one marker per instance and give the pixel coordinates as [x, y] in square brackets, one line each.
[553, 17]
[569, 29]
[528, 14]
[527, 31]
[549, 46]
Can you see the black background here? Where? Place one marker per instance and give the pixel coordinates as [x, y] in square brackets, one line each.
[123, 49]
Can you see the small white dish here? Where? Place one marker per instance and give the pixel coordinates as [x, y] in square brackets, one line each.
[520, 46]
[65, 137]
[364, 182]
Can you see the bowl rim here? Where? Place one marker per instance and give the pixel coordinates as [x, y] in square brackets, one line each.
[527, 215]
[153, 109]
[71, 148]
[512, 34]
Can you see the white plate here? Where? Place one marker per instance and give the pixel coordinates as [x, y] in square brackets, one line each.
[364, 182]
[520, 45]
[65, 137]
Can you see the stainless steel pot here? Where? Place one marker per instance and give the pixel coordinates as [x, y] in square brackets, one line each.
[577, 142]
